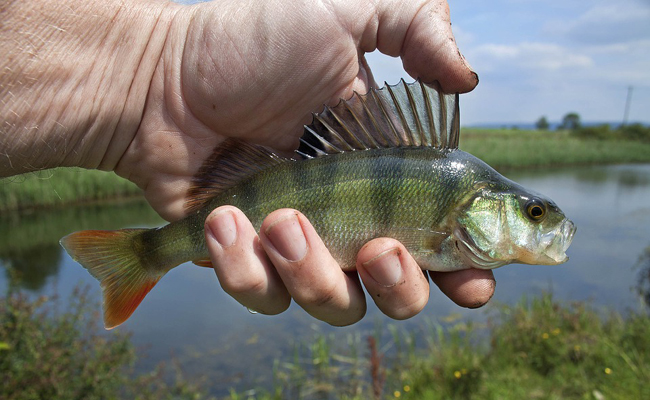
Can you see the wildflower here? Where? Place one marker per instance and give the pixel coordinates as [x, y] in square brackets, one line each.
[556, 331]
[457, 374]
[545, 335]
[608, 370]
[407, 388]
[397, 394]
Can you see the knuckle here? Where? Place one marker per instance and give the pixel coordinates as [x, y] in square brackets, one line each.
[408, 310]
[243, 285]
[324, 295]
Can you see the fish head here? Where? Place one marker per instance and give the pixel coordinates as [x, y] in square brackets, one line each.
[499, 227]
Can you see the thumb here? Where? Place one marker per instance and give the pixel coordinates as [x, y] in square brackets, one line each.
[420, 32]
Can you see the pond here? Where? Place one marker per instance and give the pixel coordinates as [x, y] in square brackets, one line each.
[189, 318]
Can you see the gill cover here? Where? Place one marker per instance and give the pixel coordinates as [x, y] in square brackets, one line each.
[514, 226]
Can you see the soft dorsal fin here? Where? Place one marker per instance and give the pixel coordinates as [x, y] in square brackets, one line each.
[402, 115]
[232, 161]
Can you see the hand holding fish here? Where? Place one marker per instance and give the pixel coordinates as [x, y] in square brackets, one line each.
[150, 89]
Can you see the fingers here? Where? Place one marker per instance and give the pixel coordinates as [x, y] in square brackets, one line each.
[312, 277]
[289, 260]
[392, 278]
[241, 265]
[421, 34]
[470, 288]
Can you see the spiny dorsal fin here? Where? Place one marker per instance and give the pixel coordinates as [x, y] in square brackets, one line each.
[403, 115]
[231, 162]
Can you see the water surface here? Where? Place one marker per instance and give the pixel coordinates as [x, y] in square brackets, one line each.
[187, 316]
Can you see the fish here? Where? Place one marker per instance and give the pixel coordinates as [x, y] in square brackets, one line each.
[381, 164]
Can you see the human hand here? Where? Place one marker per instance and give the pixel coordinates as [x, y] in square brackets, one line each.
[157, 86]
[256, 71]
[289, 260]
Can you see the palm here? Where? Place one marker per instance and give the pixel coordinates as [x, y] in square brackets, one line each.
[260, 88]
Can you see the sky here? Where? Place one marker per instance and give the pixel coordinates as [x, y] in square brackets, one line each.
[548, 58]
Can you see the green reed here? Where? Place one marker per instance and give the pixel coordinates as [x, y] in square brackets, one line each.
[538, 348]
[501, 148]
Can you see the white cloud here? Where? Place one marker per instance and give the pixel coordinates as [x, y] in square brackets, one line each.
[527, 56]
[605, 23]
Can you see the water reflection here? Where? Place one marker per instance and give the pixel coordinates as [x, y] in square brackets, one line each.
[31, 266]
[643, 284]
[187, 315]
[29, 243]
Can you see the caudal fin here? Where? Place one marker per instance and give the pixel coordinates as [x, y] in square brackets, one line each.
[112, 258]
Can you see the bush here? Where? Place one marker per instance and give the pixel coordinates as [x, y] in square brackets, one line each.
[600, 132]
[46, 354]
[635, 132]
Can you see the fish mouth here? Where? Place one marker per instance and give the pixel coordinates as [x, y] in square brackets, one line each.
[557, 242]
[471, 254]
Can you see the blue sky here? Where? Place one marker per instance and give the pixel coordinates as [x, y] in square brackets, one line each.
[548, 58]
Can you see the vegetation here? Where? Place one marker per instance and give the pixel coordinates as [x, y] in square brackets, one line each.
[631, 133]
[536, 349]
[571, 121]
[501, 148]
[505, 149]
[62, 186]
[47, 354]
[542, 124]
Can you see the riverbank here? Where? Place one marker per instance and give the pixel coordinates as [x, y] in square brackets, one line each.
[61, 187]
[538, 348]
[506, 149]
[501, 148]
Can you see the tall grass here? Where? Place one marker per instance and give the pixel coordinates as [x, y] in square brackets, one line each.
[539, 348]
[62, 186]
[500, 148]
[505, 149]
[53, 350]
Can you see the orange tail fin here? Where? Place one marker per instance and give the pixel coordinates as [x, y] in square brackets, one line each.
[112, 258]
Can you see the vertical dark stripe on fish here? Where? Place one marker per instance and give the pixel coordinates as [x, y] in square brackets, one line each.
[324, 177]
[385, 189]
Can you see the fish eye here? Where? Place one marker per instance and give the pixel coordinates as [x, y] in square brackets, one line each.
[535, 209]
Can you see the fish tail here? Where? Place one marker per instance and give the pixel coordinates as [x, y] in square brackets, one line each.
[113, 258]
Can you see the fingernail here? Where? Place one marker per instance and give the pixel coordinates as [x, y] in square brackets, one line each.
[287, 237]
[385, 268]
[223, 228]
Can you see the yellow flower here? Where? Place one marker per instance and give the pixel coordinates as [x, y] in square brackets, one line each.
[608, 370]
[457, 374]
[407, 388]
[544, 335]
[463, 371]
[397, 393]
[556, 331]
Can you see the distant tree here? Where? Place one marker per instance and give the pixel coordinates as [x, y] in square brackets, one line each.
[571, 122]
[542, 124]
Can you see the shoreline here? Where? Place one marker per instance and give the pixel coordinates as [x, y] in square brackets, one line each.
[503, 149]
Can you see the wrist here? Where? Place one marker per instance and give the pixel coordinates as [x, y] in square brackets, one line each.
[75, 79]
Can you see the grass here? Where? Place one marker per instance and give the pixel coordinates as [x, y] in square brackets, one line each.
[537, 349]
[49, 353]
[507, 149]
[62, 186]
[501, 148]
